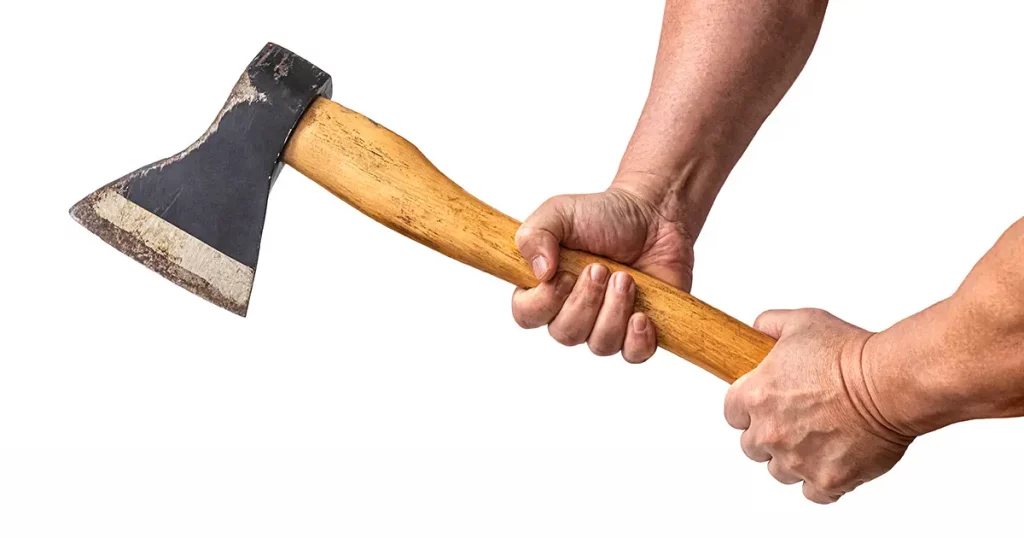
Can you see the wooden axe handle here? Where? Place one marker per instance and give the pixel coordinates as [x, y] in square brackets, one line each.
[387, 178]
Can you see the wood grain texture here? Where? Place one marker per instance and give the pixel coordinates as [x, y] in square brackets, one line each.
[387, 178]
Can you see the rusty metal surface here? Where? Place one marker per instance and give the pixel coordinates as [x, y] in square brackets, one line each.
[215, 191]
[135, 247]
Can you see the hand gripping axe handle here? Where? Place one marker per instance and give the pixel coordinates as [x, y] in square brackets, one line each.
[197, 216]
[388, 179]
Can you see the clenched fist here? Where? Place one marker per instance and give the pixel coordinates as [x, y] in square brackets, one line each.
[597, 308]
[807, 411]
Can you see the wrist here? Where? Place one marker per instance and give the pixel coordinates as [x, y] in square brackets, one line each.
[653, 188]
[905, 398]
[946, 364]
[680, 194]
[874, 403]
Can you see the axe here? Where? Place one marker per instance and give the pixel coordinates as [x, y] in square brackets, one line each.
[196, 217]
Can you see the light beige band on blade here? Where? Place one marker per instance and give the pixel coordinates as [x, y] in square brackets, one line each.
[225, 274]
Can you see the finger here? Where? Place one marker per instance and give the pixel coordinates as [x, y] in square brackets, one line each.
[782, 473]
[536, 307]
[774, 323]
[854, 485]
[814, 494]
[736, 413]
[752, 448]
[612, 320]
[641, 339]
[575, 321]
[679, 274]
[540, 234]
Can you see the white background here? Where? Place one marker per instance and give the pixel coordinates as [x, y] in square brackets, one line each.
[380, 389]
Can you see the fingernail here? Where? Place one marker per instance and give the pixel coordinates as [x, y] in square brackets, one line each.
[640, 324]
[598, 273]
[621, 281]
[540, 266]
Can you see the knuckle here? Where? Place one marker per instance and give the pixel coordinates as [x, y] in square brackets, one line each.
[593, 296]
[762, 320]
[816, 313]
[747, 448]
[756, 396]
[734, 410]
[747, 442]
[556, 202]
[526, 313]
[601, 347]
[732, 402]
[770, 435]
[527, 321]
[814, 494]
[563, 286]
[530, 239]
[566, 336]
[830, 481]
[520, 320]
[551, 207]
[815, 497]
[751, 447]
[517, 313]
[754, 454]
[728, 409]
[781, 472]
[583, 298]
[796, 463]
[523, 237]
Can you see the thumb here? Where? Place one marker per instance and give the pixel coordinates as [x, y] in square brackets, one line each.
[540, 234]
[776, 323]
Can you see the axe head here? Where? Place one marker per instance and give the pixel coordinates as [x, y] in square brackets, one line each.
[197, 217]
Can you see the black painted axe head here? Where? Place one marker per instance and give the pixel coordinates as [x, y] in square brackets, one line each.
[197, 217]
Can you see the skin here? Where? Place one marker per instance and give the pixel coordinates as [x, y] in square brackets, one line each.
[722, 67]
[832, 406]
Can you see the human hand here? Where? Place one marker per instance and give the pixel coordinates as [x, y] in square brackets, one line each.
[597, 308]
[807, 411]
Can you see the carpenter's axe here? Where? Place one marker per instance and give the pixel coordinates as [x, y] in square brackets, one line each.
[197, 217]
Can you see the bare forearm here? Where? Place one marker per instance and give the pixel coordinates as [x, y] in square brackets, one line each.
[722, 67]
[961, 359]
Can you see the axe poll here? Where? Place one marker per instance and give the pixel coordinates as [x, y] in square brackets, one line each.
[197, 217]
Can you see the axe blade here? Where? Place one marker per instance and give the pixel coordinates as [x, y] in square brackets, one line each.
[196, 217]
